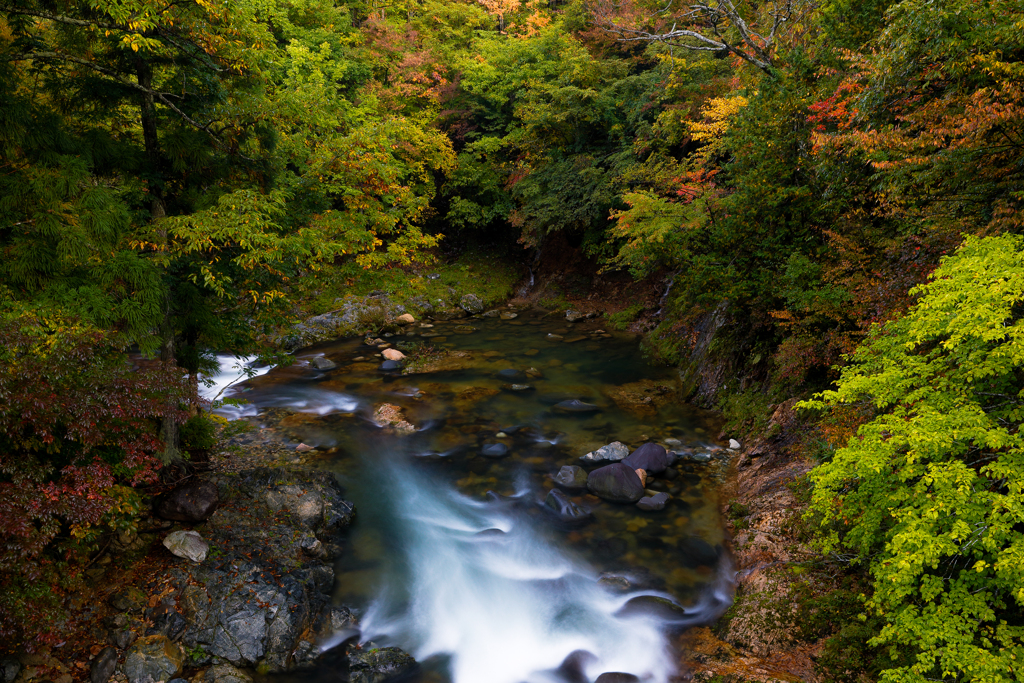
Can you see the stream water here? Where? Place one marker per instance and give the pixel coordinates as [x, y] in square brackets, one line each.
[453, 556]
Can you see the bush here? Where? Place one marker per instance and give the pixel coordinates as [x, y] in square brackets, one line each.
[199, 433]
[928, 493]
[77, 421]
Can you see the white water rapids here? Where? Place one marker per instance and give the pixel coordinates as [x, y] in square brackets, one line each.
[477, 585]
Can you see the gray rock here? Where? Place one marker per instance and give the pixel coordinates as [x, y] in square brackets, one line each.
[377, 665]
[572, 477]
[153, 659]
[650, 457]
[734, 444]
[323, 363]
[517, 387]
[572, 315]
[494, 450]
[566, 510]
[9, 669]
[191, 502]
[131, 599]
[225, 673]
[471, 303]
[700, 456]
[509, 315]
[617, 483]
[187, 544]
[122, 638]
[391, 365]
[447, 314]
[613, 452]
[653, 503]
[103, 666]
[304, 505]
[493, 313]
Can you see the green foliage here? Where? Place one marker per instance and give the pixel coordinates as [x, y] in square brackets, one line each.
[621, 320]
[198, 433]
[929, 492]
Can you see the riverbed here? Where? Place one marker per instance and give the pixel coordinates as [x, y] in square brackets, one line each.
[454, 556]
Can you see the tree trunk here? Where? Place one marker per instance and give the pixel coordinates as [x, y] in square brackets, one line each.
[158, 209]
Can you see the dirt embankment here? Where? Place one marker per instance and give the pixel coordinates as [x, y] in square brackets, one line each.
[761, 638]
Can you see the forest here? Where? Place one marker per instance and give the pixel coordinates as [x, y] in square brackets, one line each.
[841, 180]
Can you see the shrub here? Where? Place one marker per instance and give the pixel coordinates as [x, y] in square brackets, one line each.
[76, 422]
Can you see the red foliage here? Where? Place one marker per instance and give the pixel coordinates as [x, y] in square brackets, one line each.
[76, 418]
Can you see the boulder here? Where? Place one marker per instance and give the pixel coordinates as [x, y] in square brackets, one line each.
[572, 477]
[566, 510]
[650, 457]
[305, 506]
[393, 354]
[378, 664]
[617, 483]
[572, 315]
[471, 303]
[153, 659]
[323, 363]
[9, 669]
[613, 452]
[191, 502]
[225, 673]
[103, 666]
[734, 444]
[405, 319]
[653, 503]
[616, 677]
[187, 544]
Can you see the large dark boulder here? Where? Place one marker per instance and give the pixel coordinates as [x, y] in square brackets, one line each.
[103, 666]
[617, 483]
[650, 457]
[191, 502]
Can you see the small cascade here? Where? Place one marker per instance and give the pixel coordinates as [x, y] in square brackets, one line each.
[664, 297]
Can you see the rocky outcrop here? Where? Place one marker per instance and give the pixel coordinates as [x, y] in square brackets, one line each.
[153, 659]
[262, 596]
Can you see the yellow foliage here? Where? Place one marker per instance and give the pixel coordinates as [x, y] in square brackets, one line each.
[712, 129]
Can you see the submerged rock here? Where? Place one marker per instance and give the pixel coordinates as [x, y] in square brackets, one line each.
[391, 366]
[617, 483]
[566, 510]
[187, 544]
[377, 665]
[323, 363]
[616, 677]
[153, 659]
[650, 457]
[575, 405]
[191, 502]
[572, 477]
[653, 503]
[494, 450]
[613, 452]
[511, 374]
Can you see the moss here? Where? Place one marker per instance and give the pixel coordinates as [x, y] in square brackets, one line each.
[475, 271]
[621, 320]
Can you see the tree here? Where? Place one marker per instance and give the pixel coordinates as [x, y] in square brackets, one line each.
[929, 493]
[749, 31]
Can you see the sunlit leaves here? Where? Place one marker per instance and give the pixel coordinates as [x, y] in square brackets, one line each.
[929, 493]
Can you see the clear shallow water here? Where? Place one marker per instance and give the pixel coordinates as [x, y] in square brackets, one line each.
[453, 556]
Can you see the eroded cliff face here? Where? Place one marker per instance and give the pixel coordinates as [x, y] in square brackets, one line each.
[760, 639]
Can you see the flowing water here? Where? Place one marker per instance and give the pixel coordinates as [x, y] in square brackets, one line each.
[453, 556]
